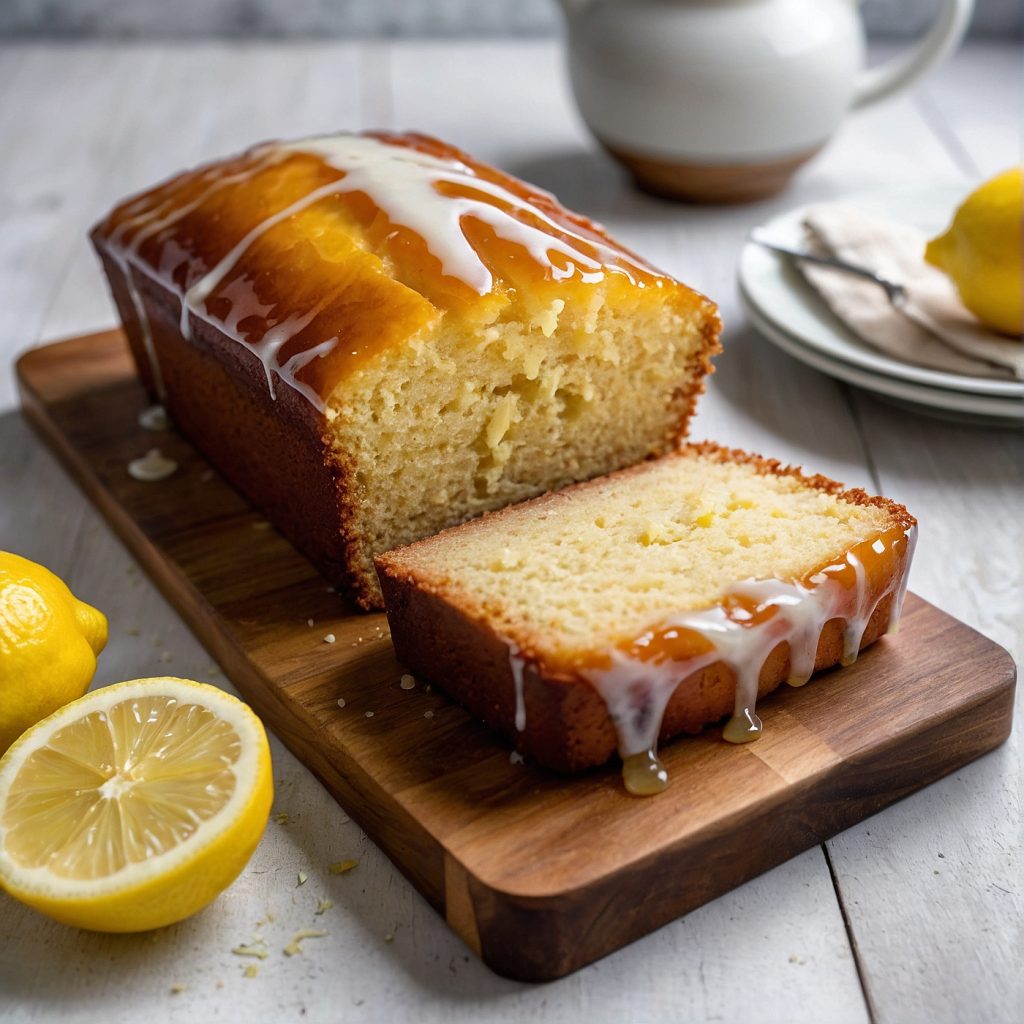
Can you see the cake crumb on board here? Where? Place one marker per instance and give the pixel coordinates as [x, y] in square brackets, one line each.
[256, 949]
[295, 946]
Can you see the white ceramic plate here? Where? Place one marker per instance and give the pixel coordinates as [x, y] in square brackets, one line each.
[1005, 410]
[772, 289]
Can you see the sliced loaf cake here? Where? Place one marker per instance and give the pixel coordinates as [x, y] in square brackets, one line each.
[623, 611]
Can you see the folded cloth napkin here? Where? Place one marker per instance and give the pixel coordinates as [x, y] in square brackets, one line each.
[932, 328]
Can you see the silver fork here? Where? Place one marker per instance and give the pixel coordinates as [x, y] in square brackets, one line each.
[896, 293]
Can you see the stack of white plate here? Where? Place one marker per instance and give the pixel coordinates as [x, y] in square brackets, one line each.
[790, 313]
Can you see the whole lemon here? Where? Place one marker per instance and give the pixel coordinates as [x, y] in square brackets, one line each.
[48, 645]
[981, 251]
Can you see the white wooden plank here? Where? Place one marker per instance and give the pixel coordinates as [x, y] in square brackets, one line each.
[932, 886]
[61, 114]
[975, 106]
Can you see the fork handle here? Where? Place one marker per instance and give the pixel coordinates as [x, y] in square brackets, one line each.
[824, 261]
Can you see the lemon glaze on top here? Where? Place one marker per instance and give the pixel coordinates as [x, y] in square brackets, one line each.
[274, 247]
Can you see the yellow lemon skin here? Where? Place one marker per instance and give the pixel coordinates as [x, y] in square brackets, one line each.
[982, 251]
[49, 641]
[167, 896]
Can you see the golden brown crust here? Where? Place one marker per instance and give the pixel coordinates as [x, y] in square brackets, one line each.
[217, 396]
[340, 267]
[700, 368]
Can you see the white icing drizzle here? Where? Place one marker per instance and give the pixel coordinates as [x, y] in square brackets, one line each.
[518, 664]
[154, 418]
[197, 295]
[896, 608]
[146, 331]
[856, 623]
[126, 254]
[403, 182]
[149, 227]
[288, 372]
[637, 691]
[153, 466]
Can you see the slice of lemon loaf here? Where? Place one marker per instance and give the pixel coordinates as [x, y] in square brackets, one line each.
[654, 601]
[376, 336]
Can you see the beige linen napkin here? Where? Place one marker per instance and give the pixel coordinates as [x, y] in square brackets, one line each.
[932, 328]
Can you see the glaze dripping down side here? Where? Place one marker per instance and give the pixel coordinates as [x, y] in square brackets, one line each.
[637, 680]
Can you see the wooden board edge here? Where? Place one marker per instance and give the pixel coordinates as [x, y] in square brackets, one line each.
[568, 929]
[571, 934]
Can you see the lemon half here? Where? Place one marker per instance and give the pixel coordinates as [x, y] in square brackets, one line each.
[134, 806]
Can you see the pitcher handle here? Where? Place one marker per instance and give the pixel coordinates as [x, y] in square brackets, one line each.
[939, 41]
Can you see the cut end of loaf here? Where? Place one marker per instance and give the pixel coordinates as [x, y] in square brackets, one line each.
[464, 420]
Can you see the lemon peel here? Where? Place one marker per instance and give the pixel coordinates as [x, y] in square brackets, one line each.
[982, 252]
[49, 641]
[295, 946]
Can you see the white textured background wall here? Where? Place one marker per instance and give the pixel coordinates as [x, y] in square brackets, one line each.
[304, 18]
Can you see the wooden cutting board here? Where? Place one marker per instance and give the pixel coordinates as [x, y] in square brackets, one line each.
[539, 874]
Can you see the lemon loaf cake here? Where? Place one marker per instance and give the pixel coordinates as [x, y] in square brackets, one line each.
[651, 602]
[376, 336]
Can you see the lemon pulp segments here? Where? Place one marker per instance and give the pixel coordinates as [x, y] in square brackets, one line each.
[119, 786]
[135, 805]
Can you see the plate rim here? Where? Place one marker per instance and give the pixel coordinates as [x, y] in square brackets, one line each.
[918, 394]
[860, 354]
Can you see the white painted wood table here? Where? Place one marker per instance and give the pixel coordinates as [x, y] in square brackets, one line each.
[914, 915]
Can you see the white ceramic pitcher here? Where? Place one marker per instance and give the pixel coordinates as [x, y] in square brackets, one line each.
[722, 100]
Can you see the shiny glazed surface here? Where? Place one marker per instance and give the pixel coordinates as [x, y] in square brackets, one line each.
[315, 274]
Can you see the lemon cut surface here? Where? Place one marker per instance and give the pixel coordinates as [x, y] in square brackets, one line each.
[134, 806]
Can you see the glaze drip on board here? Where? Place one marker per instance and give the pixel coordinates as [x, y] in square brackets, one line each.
[421, 187]
[637, 680]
